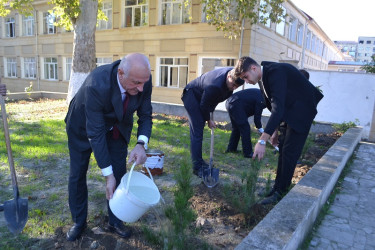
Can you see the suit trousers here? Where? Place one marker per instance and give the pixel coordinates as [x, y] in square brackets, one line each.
[290, 148]
[196, 124]
[79, 162]
[240, 128]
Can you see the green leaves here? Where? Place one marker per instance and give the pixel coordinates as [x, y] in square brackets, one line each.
[227, 15]
[370, 67]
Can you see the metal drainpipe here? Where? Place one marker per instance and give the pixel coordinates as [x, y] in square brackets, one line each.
[240, 52]
[36, 49]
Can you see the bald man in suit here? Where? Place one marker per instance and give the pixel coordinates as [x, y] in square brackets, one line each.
[292, 101]
[100, 120]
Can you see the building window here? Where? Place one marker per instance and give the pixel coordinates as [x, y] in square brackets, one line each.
[103, 61]
[68, 68]
[300, 34]
[209, 64]
[368, 42]
[10, 27]
[174, 12]
[313, 43]
[29, 67]
[28, 25]
[107, 10]
[48, 23]
[293, 24]
[308, 40]
[50, 68]
[136, 13]
[280, 27]
[360, 42]
[173, 72]
[264, 14]
[10, 69]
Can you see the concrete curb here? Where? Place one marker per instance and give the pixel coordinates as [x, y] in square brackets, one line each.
[289, 222]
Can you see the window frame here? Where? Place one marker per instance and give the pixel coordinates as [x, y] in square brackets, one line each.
[67, 62]
[28, 25]
[106, 25]
[27, 67]
[10, 67]
[47, 27]
[144, 13]
[169, 68]
[183, 13]
[293, 25]
[282, 24]
[104, 61]
[10, 27]
[47, 66]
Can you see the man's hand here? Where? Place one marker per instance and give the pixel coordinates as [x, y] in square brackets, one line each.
[138, 154]
[110, 186]
[275, 138]
[259, 151]
[211, 124]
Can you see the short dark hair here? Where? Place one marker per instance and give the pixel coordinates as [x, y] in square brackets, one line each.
[236, 79]
[305, 73]
[243, 65]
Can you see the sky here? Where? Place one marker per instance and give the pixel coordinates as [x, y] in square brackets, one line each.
[342, 20]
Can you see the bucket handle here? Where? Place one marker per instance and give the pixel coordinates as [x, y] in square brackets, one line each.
[130, 175]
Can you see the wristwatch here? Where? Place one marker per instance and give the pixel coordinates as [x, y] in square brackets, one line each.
[262, 142]
[141, 143]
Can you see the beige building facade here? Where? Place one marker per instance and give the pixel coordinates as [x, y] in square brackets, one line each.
[180, 46]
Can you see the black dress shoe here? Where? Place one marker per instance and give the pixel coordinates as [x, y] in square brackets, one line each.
[120, 229]
[273, 199]
[75, 232]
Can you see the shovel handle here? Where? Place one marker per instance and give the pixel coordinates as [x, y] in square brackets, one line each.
[9, 149]
[212, 138]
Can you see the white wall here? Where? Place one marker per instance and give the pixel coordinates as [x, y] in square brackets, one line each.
[347, 97]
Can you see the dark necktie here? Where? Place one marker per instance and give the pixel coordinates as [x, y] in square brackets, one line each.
[265, 97]
[116, 132]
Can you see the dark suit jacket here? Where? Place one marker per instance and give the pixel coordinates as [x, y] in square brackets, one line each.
[97, 106]
[210, 89]
[245, 103]
[293, 98]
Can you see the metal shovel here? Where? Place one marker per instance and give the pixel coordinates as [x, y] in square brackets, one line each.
[16, 210]
[211, 174]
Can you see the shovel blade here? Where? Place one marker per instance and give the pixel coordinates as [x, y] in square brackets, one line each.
[211, 177]
[16, 214]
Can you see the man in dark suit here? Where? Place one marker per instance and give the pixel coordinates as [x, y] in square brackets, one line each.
[100, 120]
[292, 100]
[240, 106]
[200, 98]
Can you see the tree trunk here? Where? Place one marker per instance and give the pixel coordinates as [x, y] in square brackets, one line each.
[83, 46]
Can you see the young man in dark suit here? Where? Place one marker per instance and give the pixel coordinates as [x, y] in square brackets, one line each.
[292, 100]
[200, 98]
[100, 120]
[240, 106]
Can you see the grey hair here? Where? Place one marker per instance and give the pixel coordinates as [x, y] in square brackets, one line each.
[125, 63]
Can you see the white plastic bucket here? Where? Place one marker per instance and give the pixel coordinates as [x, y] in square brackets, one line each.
[134, 196]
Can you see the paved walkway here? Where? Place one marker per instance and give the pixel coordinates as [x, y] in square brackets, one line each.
[350, 224]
